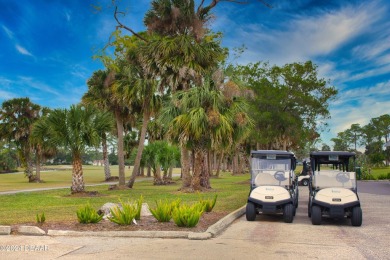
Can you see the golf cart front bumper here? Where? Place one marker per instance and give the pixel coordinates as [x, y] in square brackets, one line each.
[335, 211]
[270, 207]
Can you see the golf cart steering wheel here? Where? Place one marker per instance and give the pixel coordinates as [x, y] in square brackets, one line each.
[342, 177]
[279, 175]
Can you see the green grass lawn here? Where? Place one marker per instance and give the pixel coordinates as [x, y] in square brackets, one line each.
[58, 205]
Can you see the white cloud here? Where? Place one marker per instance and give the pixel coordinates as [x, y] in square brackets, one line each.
[68, 16]
[371, 73]
[9, 33]
[358, 106]
[306, 37]
[5, 95]
[22, 50]
[37, 85]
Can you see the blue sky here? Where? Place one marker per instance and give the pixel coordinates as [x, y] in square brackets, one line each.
[47, 47]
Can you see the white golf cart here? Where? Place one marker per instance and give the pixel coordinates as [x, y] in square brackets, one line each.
[273, 184]
[333, 191]
[304, 176]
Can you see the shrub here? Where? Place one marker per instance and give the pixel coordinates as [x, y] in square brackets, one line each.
[208, 204]
[88, 215]
[41, 218]
[124, 215]
[139, 207]
[163, 210]
[384, 176]
[187, 216]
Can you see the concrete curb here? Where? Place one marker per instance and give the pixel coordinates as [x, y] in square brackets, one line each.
[5, 230]
[211, 232]
[138, 234]
[31, 231]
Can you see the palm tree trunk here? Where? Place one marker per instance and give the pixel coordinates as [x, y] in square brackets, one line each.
[149, 171]
[235, 163]
[185, 167]
[205, 175]
[220, 161]
[38, 164]
[157, 176]
[141, 145]
[107, 172]
[198, 164]
[121, 159]
[77, 175]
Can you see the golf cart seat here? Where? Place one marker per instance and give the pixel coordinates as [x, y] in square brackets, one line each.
[328, 179]
[267, 178]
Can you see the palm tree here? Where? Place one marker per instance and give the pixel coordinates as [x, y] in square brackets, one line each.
[206, 120]
[104, 123]
[16, 119]
[74, 129]
[138, 90]
[101, 95]
[39, 140]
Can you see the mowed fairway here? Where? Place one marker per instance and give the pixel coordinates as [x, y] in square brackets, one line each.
[61, 177]
[58, 205]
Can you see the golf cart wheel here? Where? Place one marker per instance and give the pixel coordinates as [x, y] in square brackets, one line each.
[357, 217]
[309, 208]
[305, 182]
[288, 213]
[296, 199]
[316, 215]
[250, 211]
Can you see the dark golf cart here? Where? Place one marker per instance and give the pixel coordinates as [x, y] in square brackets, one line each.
[273, 184]
[333, 190]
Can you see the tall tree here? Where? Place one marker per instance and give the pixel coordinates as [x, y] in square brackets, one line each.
[101, 95]
[206, 119]
[291, 99]
[16, 119]
[75, 129]
[39, 141]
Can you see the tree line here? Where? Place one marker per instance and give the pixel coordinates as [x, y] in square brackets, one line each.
[174, 84]
[374, 137]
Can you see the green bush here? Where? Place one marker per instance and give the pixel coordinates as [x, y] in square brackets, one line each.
[187, 216]
[139, 207]
[384, 176]
[88, 215]
[41, 218]
[163, 210]
[208, 204]
[124, 215]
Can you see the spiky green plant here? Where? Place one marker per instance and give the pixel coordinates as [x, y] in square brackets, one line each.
[41, 218]
[188, 215]
[87, 215]
[208, 204]
[163, 210]
[139, 207]
[124, 215]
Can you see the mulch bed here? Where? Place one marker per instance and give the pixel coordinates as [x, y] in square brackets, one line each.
[146, 223]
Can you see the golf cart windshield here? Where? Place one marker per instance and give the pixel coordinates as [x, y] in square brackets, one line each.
[271, 172]
[334, 179]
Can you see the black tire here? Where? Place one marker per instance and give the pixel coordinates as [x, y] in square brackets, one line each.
[296, 199]
[309, 208]
[305, 182]
[357, 217]
[288, 213]
[316, 215]
[250, 211]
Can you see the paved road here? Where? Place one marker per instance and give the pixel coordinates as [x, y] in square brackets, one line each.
[266, 238]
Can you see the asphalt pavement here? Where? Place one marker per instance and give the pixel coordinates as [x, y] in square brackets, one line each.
[268, 237]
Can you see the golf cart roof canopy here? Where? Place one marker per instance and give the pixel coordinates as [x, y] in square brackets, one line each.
[331, 157]
[272, 154]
